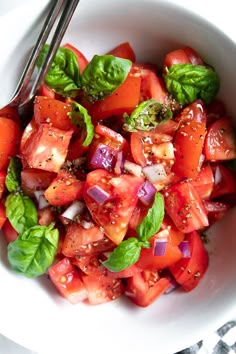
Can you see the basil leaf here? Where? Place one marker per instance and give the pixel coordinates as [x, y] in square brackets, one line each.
[148, 115]
[103, 75]
[13, 178]
[34, 250]
[151, 224]
[21, 211]
[188, 82]
[124, 255]
[79, 116]
[63, 75]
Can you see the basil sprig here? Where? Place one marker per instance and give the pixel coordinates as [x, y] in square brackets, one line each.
[128, 251]
[101, 77]
[148, 115]
[79, 116]
[188, 82]
[34, 250]
[63, 75]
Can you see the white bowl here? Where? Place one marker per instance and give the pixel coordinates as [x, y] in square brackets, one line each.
[32, 313]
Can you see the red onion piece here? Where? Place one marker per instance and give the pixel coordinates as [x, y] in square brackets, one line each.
[75, 208]
[184, 247]
[155, 173]
[146, 193]
[98, 194]
[42, 201]
[102, 157]
[173, 285]
[133, 168]
[160, 247]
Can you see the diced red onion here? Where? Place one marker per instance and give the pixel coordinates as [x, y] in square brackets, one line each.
[119, 165]
[103, 157]
[86, 224]
[98, 194]
[75, 208]
[160, 247]
[173, 285]
[184, 247]
[146, 193]
[133, 168]
[155, 173]
[42, 201]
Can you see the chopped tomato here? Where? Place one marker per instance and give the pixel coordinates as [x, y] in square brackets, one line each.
[102, 288]
[170, 232]
[9, 233]
[224, 181]
[182, 56]
[220, 142]
[33, 179]
[144, 288]
[50, 110]
[185, 207]
[3, 216]
[215, 210]
[64, 189]
[11, 113]
[189, 140]
[45, 90]
[66, 279]
[76, 148]
[82, 61]
[189, 271]
[126, 273]
[123, 50]
[89, 264]
[215, 110]
[10, 135]
[148, 260]
[80, 240]
[2, 182]
[123, 100]
[204, 182]
[152, 86]
[114, 214]
[46, 148]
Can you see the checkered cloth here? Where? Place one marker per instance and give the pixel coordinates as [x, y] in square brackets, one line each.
[223, 341]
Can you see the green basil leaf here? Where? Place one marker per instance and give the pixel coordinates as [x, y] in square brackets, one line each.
[13, 178]
[33, 252]
[79, 116]
[103, 75]
[124, 255]
[21, 211]
[63, 75]
[151, 224]
[148, 115]
[188, 82]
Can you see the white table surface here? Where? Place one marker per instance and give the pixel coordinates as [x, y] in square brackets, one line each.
[210, 9]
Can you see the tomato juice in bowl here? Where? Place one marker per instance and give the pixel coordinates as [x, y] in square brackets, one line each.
[153, 28]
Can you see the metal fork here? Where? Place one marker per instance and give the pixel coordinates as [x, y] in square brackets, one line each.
[61, 12]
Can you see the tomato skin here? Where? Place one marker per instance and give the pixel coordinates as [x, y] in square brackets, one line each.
[76, 148]
[64, 189]
[123, 50]
[215, 210]
[152, 87]
[66, 279]
[11, 113]
[46, 148]
[224, 181]
[33, 179]
[9, 233]
[3, 216]
[10, 135]
[189, 140]
[50, 110]
[82, 60]
[220, 142]
[189, 271]
[182, 56]
[145, 287]
[184, 206]
[114, 214]
[123, 100]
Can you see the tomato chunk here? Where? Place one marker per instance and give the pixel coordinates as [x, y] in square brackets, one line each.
[33, 179]
[46, 148]
[66, 279]
[123, 50]
[10, 135]
[189, 271]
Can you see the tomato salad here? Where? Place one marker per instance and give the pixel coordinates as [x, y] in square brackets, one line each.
[110, 186]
